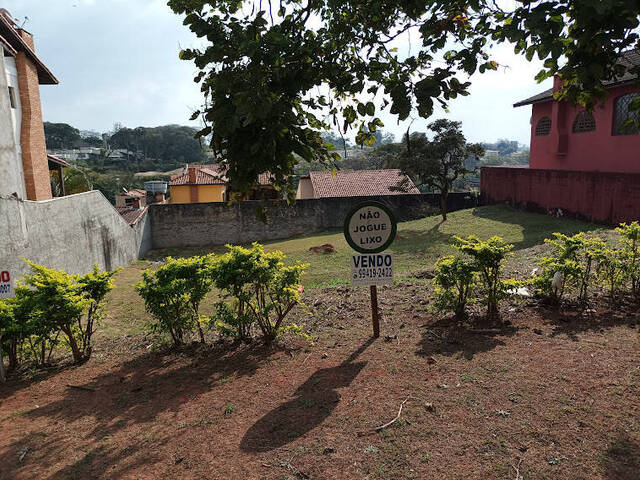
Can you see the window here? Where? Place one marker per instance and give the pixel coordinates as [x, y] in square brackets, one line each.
[12, 97]
[584, 122]
[625, 119]
[543, 128]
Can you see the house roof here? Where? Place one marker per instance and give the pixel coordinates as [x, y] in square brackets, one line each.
[360, 183]
[132, 214]
[11, 37]
[211, 175]
[630, 59]
[205, 175]
[57, 161]
[135, 193]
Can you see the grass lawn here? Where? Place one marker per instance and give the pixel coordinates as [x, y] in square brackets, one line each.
[419, 244]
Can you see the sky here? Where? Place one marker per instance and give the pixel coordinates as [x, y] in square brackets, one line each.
[117, 62]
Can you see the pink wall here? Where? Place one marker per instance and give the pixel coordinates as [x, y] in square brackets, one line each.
[590, 151]
[600, 197]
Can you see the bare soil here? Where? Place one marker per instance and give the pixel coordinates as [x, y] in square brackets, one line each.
[547, 396]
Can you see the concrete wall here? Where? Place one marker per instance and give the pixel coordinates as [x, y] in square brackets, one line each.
[11, 176]
[609, 198]
[179, 225]
[69, 233]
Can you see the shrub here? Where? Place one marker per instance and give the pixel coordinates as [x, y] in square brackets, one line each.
[233, 274]
[263, 290]
[612, 269]
[51, 301]
[453, 284]
[173, 293]
[487, 259]
[630, 239]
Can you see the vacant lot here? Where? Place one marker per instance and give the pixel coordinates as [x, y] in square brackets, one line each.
[551, 395]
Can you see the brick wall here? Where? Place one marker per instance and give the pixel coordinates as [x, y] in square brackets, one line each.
[603, 197]
[202, 224]
[34, 150]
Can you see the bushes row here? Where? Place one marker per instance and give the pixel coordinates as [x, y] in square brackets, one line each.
[52, 307]
[576, 266]
[258, 290]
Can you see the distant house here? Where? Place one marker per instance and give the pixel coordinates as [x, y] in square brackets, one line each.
[207, 183]
[24, 166]
[354, 183]
[136, 197]
[584, 163]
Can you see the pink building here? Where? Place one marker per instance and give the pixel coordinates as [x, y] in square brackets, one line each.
[581, 163]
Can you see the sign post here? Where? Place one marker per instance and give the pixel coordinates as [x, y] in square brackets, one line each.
[369, 228]
[6, 291]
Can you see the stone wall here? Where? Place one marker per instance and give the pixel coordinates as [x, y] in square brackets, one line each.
[182, 225]
[69, 233]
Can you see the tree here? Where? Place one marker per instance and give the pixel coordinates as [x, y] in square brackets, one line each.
[438, 163]
[274, 75]
[60, 135]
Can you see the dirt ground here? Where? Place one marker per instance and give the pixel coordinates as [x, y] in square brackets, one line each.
[548, 396]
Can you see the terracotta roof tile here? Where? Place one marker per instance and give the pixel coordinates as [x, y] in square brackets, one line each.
[359, 183]
[131, 215]
[211, 175]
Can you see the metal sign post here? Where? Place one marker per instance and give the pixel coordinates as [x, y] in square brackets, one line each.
[369, 229]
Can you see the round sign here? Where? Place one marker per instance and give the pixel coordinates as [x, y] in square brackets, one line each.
[370, 227]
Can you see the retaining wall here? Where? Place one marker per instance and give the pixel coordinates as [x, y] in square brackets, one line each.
[69, 233]
[202, 224]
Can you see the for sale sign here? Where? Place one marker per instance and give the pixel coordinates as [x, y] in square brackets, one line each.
[372, 269]
[6, 284]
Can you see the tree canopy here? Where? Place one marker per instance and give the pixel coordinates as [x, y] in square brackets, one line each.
[274, 75]
[60, 135]
[439, 162]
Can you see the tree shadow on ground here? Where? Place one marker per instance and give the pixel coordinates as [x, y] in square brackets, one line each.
[450, 336]
[314, 401]
[407, 239]
[535, 227]
[134, 394]
[621, 458]
[572, 322]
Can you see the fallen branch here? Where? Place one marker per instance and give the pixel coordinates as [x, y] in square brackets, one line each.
[80, 387]
[382, 427]
[517, 469]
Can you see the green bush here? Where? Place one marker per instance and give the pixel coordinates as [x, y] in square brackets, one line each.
[261, 289]
[630, 240]
[453, 284]
[574, 258]
[173, 293]
[612, 269]
[49, 304]
[487, 258]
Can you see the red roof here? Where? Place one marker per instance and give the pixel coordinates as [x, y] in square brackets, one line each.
[205, 175]
[10, 36]
[360, 183]
[211, 175]
[131, 214]
[136, 193]
[57, 161]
